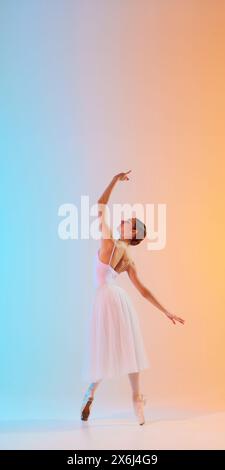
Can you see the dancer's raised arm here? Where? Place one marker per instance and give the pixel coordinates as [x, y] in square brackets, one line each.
[145, 292]
[102, 205]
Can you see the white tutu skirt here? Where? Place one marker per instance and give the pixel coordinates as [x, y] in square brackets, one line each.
[114, 344]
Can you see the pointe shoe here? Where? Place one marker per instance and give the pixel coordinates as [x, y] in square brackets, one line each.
[138, 404]
[85, 410]
[86, 405]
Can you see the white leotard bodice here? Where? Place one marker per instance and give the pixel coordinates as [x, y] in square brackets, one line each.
[104, 273]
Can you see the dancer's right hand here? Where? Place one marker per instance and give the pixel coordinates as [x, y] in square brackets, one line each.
[122, 176]
[174, 318]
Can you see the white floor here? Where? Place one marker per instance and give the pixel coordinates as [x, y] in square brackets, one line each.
[161, 431]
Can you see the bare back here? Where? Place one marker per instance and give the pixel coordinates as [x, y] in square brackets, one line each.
[115, 253]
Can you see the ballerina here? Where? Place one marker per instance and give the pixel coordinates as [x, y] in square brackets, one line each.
[116, 345]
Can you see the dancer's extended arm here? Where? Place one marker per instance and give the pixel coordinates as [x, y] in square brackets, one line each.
[145, 292]
[103, 208]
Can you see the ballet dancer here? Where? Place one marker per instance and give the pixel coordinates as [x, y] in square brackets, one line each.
[116, 345]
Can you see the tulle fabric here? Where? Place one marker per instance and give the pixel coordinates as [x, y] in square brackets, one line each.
[113, 344]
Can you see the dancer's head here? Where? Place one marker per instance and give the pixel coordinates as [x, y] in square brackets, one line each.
[132, 230]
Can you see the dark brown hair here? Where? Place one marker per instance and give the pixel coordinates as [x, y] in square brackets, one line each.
[141, 231]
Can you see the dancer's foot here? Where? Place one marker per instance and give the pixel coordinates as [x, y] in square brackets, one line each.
[85, 410]
[86, 404]
[138, 403]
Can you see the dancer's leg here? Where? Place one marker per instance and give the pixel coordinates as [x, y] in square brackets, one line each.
[92, 388]
[134, 378]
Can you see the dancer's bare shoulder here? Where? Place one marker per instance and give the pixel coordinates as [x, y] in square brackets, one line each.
[124, 256]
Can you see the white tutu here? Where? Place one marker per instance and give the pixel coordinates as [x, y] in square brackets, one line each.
[114, 342]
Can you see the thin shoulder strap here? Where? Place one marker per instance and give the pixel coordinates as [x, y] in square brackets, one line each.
[112, 252]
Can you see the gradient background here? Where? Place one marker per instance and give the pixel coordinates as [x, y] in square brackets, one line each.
[88, 89]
